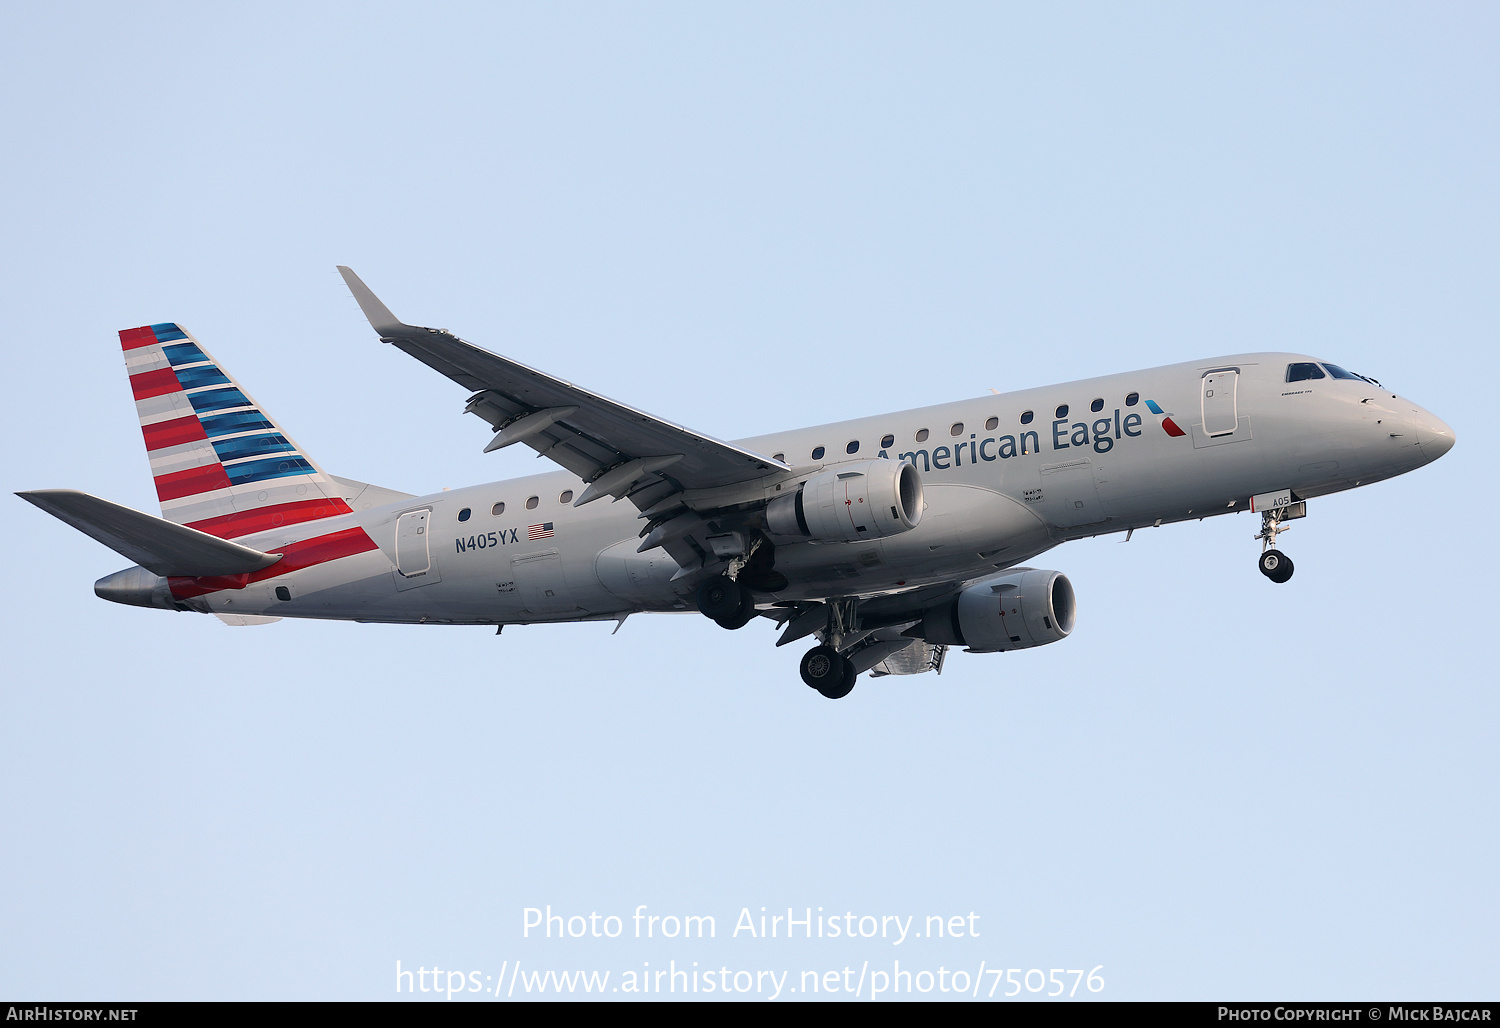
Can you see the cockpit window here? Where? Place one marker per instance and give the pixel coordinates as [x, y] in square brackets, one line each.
[1338, 372]
[1303, 372]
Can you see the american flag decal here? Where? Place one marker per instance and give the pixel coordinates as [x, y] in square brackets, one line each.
[542, 531]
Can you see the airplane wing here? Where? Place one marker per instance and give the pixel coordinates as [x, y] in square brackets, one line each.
[618, 450]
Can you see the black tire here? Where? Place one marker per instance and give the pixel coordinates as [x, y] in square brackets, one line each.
[1283, 572]
[824, 670]
[720, 597]
[845, 687]
[740, 618]
[1271, 563]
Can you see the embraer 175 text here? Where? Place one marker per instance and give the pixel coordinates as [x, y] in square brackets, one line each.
[889, 538]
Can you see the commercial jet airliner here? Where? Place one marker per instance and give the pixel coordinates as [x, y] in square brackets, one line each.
[890, 538]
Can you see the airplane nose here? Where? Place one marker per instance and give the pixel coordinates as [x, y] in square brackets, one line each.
[1434, 437]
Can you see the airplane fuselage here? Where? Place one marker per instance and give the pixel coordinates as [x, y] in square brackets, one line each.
[1005, 477]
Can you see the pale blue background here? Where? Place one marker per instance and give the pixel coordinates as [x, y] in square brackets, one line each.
[745, 218]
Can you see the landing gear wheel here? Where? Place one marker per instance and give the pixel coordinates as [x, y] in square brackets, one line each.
[829, 673]
[1276, 566]
[721, 597]
[846, 686]
[741, 617]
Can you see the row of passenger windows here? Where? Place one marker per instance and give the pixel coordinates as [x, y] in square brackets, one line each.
[957, 428]
[532, 502]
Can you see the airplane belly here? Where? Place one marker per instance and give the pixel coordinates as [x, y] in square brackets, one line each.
[643, 580]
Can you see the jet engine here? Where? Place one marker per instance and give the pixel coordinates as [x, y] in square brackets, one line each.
[865, 500]
[1012, 611]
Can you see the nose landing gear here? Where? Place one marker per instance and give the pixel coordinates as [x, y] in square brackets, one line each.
[1274, 564]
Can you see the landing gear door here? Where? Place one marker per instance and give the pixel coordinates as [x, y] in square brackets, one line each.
[1220, 402]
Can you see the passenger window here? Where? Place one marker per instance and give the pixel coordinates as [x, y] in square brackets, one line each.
[921, 435]
[992, 424]
[887, 440]
[463, 515]
[1303, 372]
[566, 497]
[817, 453]
[532, 501]
[1026, 418]
[1132, 399]
[1062, 412]
[497, 509]
[1097, 405]
[957, 429]
[853, 446]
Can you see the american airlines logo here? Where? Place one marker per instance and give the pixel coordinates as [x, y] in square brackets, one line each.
[1167, 424]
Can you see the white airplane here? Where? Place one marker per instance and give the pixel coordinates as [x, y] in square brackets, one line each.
[889, 538]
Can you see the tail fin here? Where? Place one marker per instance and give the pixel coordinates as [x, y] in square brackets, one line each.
[221, 464]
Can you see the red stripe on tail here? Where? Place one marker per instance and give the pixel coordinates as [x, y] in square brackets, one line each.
[173, 433]
[191, 482]
[154, 383]
[135, 338]
[232, 526]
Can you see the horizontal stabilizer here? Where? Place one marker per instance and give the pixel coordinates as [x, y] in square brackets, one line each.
[157, 545]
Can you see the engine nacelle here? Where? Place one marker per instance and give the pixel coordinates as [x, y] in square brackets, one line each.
[1008, 612]
[865, 500]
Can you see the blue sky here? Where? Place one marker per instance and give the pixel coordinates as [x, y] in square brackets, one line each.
[744, 218]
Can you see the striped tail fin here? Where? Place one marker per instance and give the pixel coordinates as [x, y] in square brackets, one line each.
[221, 464]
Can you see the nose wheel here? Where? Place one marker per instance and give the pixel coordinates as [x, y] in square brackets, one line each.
[1274, 564]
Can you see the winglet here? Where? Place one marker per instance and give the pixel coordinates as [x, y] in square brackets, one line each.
[380, 316]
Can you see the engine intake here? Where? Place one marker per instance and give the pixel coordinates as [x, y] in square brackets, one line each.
[1013, 611]
[865, 500]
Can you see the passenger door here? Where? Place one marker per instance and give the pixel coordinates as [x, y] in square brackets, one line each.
[1221, 402]
[414, 564]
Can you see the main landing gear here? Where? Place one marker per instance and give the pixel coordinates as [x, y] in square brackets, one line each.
[829, 672]
[1274, 564]
[824, 668]
[726, 602]
[726, 598]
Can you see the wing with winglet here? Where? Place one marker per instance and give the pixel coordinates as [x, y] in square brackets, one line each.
[618, 450]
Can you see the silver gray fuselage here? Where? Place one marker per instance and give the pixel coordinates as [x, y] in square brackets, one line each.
[995, 497]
